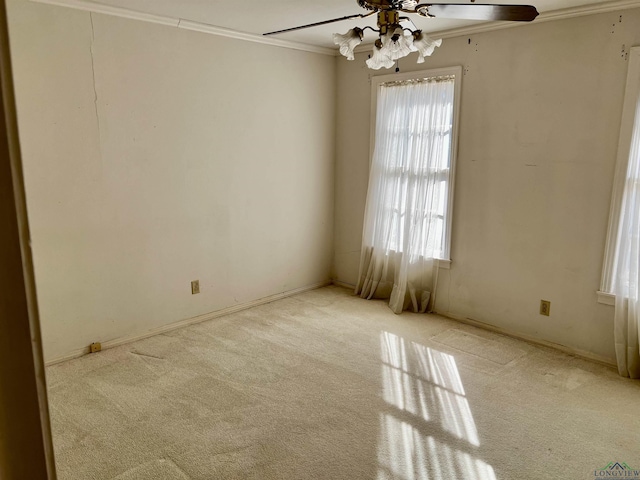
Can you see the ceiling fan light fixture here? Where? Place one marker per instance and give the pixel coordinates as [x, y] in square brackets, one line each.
[348, 42]
[398, 35]
[424, 45]
[379, 59]
[397, 45]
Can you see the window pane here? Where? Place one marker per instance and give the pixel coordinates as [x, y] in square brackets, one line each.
[413, 160]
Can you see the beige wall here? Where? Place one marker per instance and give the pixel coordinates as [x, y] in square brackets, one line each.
[540, 115]
[155, 156]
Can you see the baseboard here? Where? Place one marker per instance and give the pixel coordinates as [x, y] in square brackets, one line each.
[272, 298]
[536, 341]
[343, 284]
[509, 333]
[188, 321]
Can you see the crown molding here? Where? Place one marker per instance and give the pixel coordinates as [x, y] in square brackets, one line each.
[565, 13]
[553, 15]
[95, 7]
[251, 37]
[92, 6]
[89, 6]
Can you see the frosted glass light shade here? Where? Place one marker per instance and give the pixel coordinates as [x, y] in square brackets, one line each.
[397, 44]
[348, 42]
[424, 45]
[379, 58]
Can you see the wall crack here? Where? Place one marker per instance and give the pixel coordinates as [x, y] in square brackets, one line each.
[95, 91]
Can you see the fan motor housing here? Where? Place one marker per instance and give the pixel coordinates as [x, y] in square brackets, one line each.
[388, 20]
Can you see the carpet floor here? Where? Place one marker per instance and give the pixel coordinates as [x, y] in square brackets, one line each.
[325, 385]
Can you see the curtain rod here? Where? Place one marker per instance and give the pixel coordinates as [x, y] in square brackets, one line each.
[440, 78]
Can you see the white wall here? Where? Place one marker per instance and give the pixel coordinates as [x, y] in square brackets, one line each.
[540, 115]
[155, 156]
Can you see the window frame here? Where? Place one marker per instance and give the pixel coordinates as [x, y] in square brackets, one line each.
[455, 71]
[631, 96]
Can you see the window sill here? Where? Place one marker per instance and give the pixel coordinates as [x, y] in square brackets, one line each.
[446, 264]
[606, 298]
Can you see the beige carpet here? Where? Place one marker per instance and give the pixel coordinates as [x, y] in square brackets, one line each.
[325, 385]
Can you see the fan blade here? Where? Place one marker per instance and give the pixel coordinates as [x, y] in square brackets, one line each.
[479, 11]
[359, 15]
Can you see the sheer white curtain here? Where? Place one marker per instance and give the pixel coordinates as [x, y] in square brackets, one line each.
[626, 273]
[407, 199]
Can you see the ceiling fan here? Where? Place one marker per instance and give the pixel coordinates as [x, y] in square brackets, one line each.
[398, 35]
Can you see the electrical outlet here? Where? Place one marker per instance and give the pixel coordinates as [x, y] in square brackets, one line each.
[95, 347]
[195, 287]
[545, 307]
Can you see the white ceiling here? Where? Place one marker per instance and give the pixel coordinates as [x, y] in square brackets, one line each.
[260, 16]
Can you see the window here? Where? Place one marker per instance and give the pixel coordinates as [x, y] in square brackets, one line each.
[407, 220]
[416, 129]
[618, 272]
